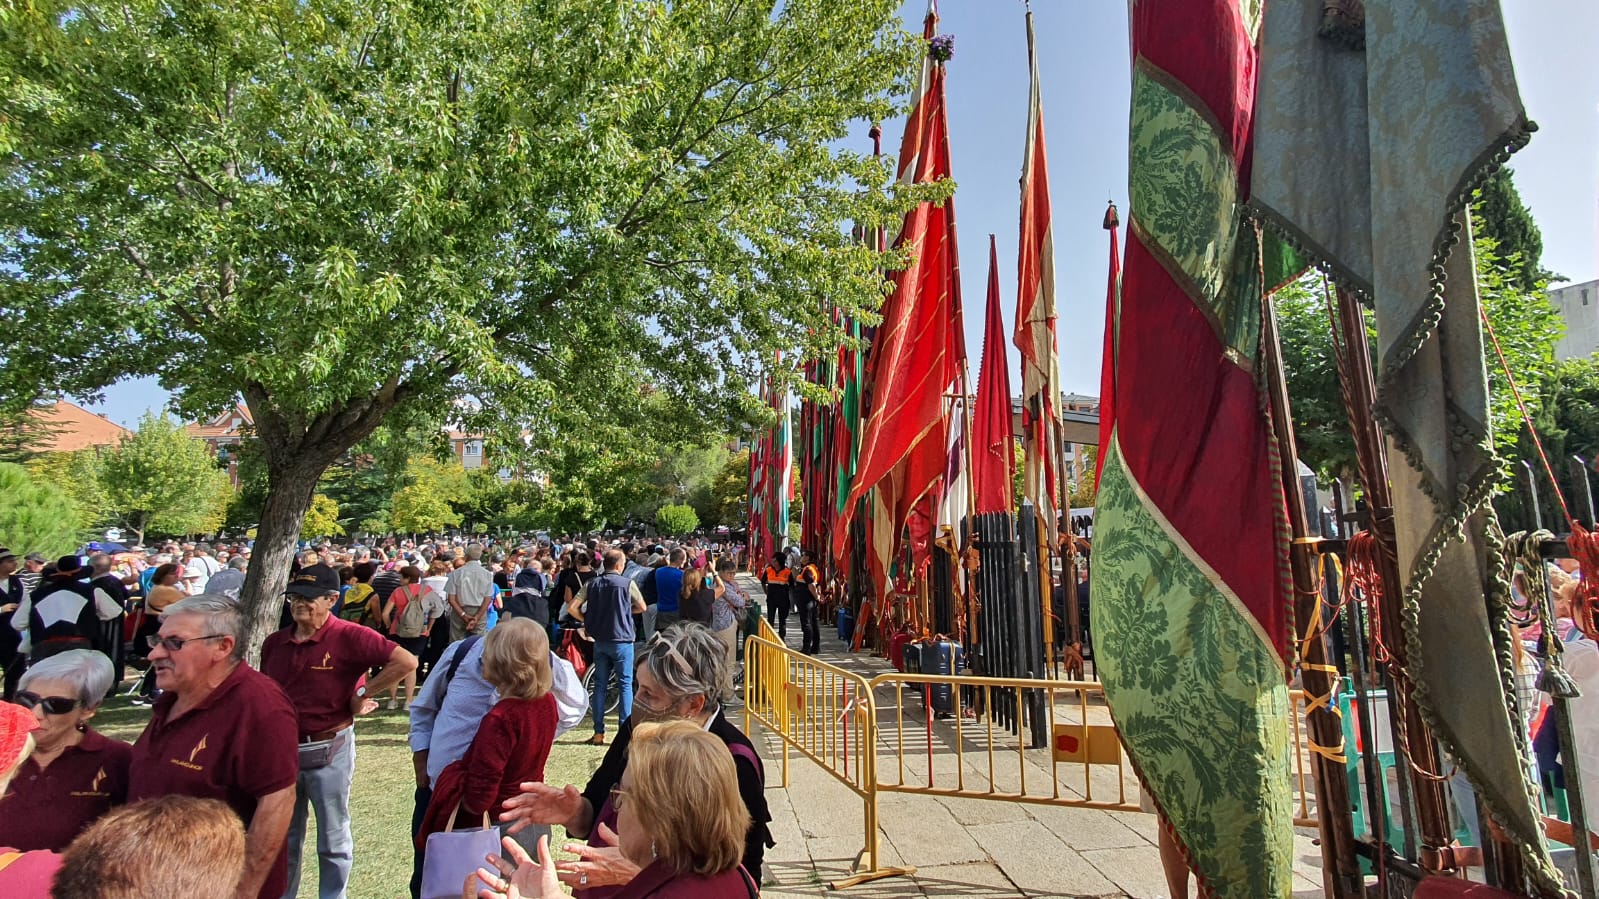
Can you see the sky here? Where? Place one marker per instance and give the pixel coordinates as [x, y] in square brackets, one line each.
[1084, 72]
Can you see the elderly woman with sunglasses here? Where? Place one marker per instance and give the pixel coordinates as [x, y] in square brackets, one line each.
[75, 774]
[681, 672]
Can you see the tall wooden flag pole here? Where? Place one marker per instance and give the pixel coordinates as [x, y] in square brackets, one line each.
[1035, 337]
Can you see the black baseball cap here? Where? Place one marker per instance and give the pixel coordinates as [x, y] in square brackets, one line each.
[314, 581]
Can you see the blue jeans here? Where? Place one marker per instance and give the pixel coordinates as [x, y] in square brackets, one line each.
[327, 790]
[610, 654]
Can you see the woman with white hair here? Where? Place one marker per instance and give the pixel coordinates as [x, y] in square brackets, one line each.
[75, 774]
[23, 875]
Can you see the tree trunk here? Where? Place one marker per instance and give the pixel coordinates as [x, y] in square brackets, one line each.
[289, 492]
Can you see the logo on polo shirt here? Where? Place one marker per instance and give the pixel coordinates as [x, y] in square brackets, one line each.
[327, 663]
[94, 791]
[190, 764]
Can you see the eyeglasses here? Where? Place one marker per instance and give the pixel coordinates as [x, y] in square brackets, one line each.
[176, 644]
[616, 797]
[52, 705]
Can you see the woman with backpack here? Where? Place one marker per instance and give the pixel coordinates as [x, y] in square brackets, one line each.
[408, 619]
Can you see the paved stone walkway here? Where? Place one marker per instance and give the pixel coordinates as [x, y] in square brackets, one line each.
[959, 846]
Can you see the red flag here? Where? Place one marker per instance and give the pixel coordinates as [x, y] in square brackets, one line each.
[992, 461]
[905, 438]
[1107, 367]
[1035, 315]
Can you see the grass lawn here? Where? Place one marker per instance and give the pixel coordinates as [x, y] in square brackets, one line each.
[381, 799]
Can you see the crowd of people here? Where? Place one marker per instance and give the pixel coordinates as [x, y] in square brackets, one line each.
[478, 641]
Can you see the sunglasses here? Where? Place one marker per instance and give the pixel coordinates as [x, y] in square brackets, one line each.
[176, 644]
[52, 705]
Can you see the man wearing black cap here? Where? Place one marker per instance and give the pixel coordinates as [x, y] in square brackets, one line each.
[11, 593]
[64, 613]
[320, 660]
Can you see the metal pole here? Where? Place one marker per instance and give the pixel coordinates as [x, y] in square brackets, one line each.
[1532, 494]
[1579, 471]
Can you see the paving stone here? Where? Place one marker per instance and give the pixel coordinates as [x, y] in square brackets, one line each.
[975, 879]
[1038, 862]
[1135, 871]
[1086, 828]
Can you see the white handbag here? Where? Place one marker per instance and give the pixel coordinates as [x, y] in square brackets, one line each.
[453, 854]
[571, 700]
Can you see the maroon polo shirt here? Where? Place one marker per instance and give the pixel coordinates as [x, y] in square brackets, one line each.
[320, 672]
[238, 745]
[46, 809]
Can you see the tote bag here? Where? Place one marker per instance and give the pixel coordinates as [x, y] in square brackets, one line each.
[453, 854]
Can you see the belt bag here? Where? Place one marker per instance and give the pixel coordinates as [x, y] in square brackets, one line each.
[320, 753]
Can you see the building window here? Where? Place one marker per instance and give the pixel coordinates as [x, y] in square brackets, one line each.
[472, 448]
[1585, 296]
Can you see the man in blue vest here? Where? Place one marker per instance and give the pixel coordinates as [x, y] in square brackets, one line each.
[606, 606]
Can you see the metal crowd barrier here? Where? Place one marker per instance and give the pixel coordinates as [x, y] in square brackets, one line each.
[969, 737]
[827, 715]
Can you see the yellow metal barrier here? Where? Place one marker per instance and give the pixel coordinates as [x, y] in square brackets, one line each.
[966, 753]
[828, 715]
[831, 716]
[1081, 763]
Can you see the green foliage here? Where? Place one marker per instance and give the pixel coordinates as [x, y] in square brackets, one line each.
[1321, 423]
[36, 517]
[676, 520]
[1568, 424]
[76, 474]
[684, 474]
[159, 478]
[423, 506]
[345, 211]
[729, 493]
[364, 480]
[1082, 495]
[321, 520]
[1502, 217]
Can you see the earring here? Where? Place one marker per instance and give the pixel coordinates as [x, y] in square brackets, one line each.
[83, 727]
[653, 853]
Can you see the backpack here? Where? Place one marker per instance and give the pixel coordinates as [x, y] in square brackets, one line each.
[414, 617]
[358, 605]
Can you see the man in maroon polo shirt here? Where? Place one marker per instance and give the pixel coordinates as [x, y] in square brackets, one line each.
[320, 660]
[221, 730]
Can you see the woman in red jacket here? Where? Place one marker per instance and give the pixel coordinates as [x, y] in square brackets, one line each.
[680, 818]
[513, 741]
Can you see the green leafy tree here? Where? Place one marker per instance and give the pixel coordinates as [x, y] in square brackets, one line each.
[1082, 495]
[77, 474]
[36, 517]
[676, 520]
[730, 492]
[160, 478]
[424, 504]
[322, 519]
[345, 211]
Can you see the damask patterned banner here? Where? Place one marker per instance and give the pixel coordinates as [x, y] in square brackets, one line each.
[1367, 160]
[1190, 594]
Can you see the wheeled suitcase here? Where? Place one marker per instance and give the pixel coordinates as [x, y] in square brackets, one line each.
[896, 650]
[938, 658]
[846, 625]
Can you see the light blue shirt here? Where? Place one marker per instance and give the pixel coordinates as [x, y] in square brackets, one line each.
[444, 721]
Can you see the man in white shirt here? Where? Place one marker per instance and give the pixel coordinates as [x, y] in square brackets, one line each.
[197, 573]
[469, 591]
